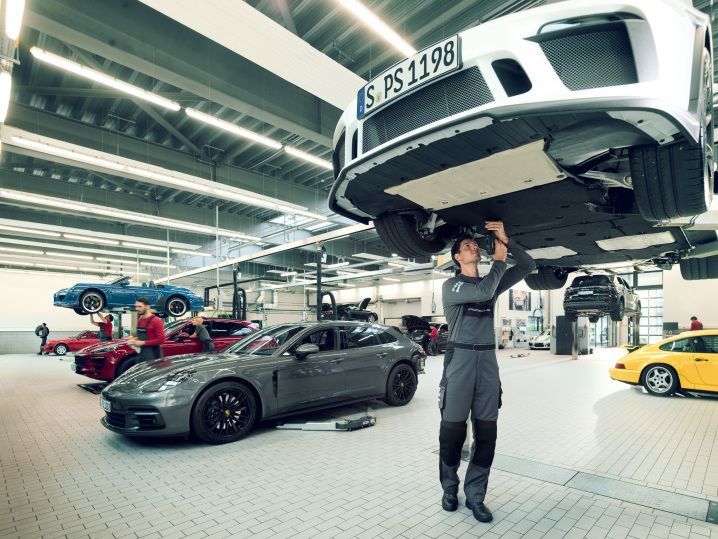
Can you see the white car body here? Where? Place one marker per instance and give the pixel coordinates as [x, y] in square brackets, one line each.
[660, 47]
[542, 341]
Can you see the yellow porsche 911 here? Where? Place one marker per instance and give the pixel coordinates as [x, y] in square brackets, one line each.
[688, 361]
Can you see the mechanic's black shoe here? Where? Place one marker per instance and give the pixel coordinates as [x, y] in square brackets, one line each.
[449, 502]
[481, 512]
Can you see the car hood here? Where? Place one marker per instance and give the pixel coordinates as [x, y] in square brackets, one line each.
[413, 323]
[160, 368]
[62, 291]
[100, 345]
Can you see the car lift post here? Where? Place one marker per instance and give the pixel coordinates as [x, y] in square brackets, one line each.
[320, 254]
[574, 340]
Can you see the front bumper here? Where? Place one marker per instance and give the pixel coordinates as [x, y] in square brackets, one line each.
[152, 414]
[96, 366]
[625, 375]
[539, 346]
[646, 80]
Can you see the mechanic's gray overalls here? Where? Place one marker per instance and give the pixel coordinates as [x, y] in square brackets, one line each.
[471, 382]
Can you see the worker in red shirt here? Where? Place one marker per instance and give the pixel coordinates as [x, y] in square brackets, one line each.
[150, 331]
[105, 325]
[433, 337]
[695, 324]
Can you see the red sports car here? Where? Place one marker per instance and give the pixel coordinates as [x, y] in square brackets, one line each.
[108, 360]
[71, 344]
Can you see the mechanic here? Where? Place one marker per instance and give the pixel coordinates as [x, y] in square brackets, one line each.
[150, 331]
[695, 324]
[43, 333]
[470, 382]
[201, 333]
[433, 341]
[105, 325]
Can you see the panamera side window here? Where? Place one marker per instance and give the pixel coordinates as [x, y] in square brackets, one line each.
[324, 339]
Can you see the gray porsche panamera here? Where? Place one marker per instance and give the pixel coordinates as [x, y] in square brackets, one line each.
[279, 371]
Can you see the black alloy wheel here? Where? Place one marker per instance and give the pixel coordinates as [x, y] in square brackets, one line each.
[372, 318]
[401, 385]
[177, 307]
[224, 413]
[620, 312]
[92, 301]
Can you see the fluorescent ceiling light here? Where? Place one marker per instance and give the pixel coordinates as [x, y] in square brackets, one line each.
[347, 285]
[13, 18]
[122, 215]
[192, 253]
[22, 197]
[104, 241]
[101, 78]
[143, 246]
[551, 253]
[103, 252]
[232, 128]
[152, 175]
[391, 279]
[23, 251]
[115, 261]
[64, 153]
[308, 157]
[378, 26]
[5, 89]
[157, 265]
[289, 219]
[311, 264]
[337, 265]
[641, 241]
[318, 226]
[275, 271]
[66, 255]
[15, 263]
[30, 231]
[57, 266]
[395, 265]
[288, 274]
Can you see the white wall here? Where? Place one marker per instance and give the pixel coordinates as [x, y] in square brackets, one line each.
[683, 299]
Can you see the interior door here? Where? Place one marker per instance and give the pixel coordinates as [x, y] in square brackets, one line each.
[706, 360]
[315, 380]
[368, 357]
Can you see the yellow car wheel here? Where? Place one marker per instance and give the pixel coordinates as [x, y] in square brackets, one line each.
[660, 380]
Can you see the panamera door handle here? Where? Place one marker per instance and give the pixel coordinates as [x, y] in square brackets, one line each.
[382, 355]
[701, 359]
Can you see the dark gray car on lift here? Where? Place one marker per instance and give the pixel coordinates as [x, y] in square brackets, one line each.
[598, 295]
[279, 371]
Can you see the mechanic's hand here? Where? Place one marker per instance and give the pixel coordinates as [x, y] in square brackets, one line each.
[500, 251]
[497, 227]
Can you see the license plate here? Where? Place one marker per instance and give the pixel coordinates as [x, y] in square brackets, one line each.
[425, 66]
[105, 405]
[585, 292]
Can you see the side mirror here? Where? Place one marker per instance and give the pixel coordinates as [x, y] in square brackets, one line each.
[304, 350]
[183, 337]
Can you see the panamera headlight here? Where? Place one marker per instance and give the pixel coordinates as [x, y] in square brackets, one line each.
[108, 348]
[169, 381]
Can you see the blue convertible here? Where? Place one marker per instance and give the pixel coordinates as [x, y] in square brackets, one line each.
[118, 295]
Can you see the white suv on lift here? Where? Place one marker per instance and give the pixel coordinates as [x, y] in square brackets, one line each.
[585, 125]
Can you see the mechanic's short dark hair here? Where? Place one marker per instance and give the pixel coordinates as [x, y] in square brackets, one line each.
[456, 247]
[694, 318]
[146, 301]
[110, 317]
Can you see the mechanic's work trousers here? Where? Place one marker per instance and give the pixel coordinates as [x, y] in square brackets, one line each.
[470, 384]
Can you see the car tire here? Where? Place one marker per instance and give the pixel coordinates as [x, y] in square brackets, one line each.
[211, 415]
[619, 313]
[547, 279]
[80, 311]
[677, 180]
[372, 318]
[92, 301]
[125, 365]
[400, 232]
[401, 385]
[660, 380]
[176, 306]
[60, 350]
[593, 319]
[571, 317]
[695, 269]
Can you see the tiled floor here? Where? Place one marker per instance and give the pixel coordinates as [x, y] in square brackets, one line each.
[62, 474]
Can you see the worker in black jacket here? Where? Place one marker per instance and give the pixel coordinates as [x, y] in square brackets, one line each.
[471, 382]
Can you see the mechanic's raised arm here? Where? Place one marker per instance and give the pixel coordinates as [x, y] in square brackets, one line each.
[524, 265]
[457, 292]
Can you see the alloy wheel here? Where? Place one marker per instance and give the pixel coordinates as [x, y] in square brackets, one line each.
[92, 302]
[403, 385]
[61, 349]
[227, 413]
[659, 380]
[176, 307]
